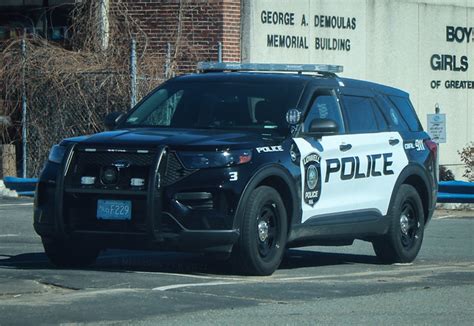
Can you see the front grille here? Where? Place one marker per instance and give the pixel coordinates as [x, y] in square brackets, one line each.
[80, 200]
[91, 163]
[107, 158]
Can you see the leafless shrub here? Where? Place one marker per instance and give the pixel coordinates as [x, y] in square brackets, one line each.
[70, 90]
[467, 157]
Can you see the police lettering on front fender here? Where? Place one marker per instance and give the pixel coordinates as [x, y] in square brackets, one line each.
[351, 167]
[269, 149]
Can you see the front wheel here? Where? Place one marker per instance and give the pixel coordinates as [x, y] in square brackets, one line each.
[68, 253]
[263, 233]
[403, 240]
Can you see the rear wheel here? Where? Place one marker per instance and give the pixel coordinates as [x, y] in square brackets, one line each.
[263, 233]
[68, 253]
[403, 240]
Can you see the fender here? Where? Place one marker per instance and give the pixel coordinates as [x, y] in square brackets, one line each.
[417, 170]
[270, 170]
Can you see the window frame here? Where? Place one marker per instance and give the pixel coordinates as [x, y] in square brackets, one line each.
[375, 108]
[385, 105]
[314, 94]
[282, 130]
[411, 110]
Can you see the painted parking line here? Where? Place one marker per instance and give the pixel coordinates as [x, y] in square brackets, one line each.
[197, 276]
[188, 285]
[19, 204]
[404, 270]
[443, 217]
[300, 279]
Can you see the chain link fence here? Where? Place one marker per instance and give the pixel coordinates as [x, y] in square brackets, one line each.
[52, 116]
[66, 102]
[50, 93]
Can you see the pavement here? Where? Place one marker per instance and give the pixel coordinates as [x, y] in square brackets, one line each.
[314, 285]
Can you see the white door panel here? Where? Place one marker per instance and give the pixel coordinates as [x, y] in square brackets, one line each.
[360, 178]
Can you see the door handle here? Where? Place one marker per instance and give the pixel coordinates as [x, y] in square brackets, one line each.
[393, 141]
[345, 147]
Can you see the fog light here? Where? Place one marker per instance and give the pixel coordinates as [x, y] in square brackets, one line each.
[87, 181]
[137, 182]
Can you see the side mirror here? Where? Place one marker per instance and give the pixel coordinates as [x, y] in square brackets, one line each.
[112, 119]
[323, 127]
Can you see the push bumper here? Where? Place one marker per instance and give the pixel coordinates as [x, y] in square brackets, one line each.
[60, 212]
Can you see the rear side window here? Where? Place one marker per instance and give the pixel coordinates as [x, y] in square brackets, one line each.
[362, 114]
[395, 119]
[407, 111]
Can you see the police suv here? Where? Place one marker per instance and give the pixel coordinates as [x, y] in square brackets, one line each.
[246, 160]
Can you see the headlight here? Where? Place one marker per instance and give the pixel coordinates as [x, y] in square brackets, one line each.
[57, 153]
[200, 160]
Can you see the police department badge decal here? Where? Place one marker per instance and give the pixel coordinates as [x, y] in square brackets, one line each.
[312, 182]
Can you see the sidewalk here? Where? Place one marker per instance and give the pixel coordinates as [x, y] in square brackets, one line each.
[453, 213]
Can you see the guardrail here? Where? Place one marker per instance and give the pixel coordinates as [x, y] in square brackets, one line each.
[23, 186]
[456, 192]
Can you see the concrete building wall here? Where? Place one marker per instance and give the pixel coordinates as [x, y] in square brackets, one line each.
[425, 47]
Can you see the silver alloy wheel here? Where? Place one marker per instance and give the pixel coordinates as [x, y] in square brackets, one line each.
[409, 224]
[404, 225]
[267, 230]
[262, 230]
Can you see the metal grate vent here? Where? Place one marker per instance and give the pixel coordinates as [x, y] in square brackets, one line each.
[174, 170]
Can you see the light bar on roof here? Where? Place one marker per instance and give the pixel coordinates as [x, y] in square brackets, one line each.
[237, 66]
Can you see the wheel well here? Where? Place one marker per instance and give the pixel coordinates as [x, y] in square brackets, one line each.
[418, 183]
[282, 188]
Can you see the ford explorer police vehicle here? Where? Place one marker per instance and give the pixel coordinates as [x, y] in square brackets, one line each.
[247, 160]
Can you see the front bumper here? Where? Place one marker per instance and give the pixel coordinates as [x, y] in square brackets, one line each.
[160, 220]
[186, 240]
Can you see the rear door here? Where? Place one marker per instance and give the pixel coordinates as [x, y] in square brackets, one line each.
[377, 151]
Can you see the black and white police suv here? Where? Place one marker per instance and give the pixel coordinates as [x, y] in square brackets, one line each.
[246, 160]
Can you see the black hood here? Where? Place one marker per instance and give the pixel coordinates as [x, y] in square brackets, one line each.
[189, 139]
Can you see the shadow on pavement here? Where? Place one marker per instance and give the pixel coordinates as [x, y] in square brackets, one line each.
[184, 263]
[300, 258]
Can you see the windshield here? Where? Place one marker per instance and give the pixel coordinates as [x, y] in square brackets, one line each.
[215, 105]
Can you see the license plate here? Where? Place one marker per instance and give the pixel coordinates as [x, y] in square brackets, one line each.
[114, 209]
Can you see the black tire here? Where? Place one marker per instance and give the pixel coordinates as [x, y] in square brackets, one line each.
[263, 233]
[403, 240]
[69, 254]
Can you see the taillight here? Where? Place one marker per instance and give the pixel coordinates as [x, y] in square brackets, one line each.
[433, 147]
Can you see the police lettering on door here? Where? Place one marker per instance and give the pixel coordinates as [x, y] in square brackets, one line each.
[351, 167]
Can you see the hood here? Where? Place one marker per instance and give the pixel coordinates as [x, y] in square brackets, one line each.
[189, 139]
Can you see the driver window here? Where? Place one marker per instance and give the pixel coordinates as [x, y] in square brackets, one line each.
[325, 106]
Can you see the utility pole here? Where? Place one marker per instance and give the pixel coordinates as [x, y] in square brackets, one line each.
[24, 133]
[104, 7]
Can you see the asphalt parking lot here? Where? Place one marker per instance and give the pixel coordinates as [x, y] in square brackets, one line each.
[314, 285]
